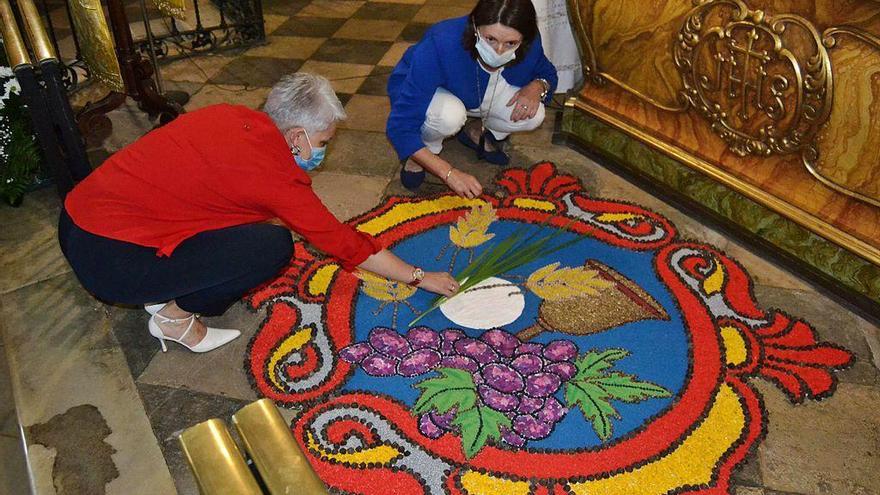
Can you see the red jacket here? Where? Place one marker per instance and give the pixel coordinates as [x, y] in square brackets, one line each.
[217, 167]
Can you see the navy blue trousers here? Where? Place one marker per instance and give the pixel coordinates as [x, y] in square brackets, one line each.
[205, 274]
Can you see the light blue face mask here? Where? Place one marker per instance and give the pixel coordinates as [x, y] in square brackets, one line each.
[314, 161]
[488, 54]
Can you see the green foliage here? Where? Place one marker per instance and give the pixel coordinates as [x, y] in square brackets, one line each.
[478, 425]
[19, 154]
[456, 389]
[593, 388]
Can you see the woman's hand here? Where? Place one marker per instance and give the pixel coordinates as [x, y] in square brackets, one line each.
[439, 283]
[526, 101]
[463, 184]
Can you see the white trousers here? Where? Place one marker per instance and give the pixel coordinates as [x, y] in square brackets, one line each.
[446, 114]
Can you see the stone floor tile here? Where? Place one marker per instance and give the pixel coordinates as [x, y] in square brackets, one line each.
[748, 490]
[370, 29]
[255, 71]
[287, 47]
[130, 329]
[377, 83]
[388, 11]
[219, 372]
[345, 78]
[458, 3]
[8, 416]
[332, 8]
[395, 53]
[367, 113]
[348, 195]
[129, 124]
[414, 31]
[361, 153]
[316, 27]
[172, 410]
[871, 332]
[432, 14]
[283, 7]
[213, 94]
[194, 69]
[822, 448]
[13, 469]
[29, 250]
[63, 356]
[748, 474]
[351, 51]
[271, 22]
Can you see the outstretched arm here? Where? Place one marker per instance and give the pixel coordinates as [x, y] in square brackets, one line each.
[388, 265]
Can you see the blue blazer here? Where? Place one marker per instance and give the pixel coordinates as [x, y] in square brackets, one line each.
[440, 60]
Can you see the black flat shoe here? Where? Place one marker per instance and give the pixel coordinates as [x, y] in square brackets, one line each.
[496, 157]
[411, 180]
[466, 140]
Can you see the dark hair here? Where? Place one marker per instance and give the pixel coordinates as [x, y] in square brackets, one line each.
[516, 14]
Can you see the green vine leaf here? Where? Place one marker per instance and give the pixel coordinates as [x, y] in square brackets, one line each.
[595, 405]
[478, 425]
[594, 363]
[626, 388]
[453, 388]
[593, 388]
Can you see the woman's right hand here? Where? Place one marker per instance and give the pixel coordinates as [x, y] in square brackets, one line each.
[439, 283]
[463, 184]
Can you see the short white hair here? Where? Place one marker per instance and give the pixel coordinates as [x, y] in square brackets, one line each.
[304, 100]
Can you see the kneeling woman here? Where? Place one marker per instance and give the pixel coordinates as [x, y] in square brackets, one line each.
[488, 65]
[175, 221]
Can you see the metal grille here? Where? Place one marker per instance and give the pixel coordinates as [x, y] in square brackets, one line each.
[211, 25]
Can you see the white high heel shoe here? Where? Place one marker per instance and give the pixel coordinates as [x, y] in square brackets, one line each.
[214, 337]
[154, 308]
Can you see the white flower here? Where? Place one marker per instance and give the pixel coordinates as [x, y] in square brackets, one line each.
[6, 72]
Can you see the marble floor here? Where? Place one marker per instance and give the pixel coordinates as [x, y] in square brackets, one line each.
[101, 407]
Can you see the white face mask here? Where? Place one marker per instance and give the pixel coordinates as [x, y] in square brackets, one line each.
[488, 54]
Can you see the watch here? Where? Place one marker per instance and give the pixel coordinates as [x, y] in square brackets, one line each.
[417, 276]
[546, 88]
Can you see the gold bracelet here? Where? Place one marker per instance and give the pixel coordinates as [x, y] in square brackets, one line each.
[446, 179]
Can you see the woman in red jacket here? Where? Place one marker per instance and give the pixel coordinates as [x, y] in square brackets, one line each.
[176, 220]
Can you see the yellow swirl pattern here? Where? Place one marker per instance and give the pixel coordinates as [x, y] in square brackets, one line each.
[295, 341]
[691, 464]
[380, 454]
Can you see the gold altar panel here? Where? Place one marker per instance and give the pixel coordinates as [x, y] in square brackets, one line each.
[778, 94]
[632, 40]
[782, 176]
[849, 145]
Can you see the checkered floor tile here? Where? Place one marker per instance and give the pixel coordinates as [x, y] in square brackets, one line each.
[353, 43]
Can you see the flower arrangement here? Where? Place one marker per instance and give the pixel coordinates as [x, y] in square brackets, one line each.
[19, 154]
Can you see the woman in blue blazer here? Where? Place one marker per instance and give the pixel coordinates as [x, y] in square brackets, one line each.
[489, 65]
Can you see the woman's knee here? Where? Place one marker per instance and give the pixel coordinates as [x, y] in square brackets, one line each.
[534, 122]
[446, 114]
[277, 245]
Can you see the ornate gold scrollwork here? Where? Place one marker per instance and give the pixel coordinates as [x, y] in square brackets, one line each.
[763, 82]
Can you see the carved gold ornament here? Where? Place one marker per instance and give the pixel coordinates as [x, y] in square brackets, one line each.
[763, 82]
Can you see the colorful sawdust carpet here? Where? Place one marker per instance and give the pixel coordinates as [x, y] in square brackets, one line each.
[619, 366]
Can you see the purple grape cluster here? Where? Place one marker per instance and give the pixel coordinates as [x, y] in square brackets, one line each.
[514, 378]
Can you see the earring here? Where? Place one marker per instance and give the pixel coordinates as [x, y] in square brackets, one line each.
[295, 150]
